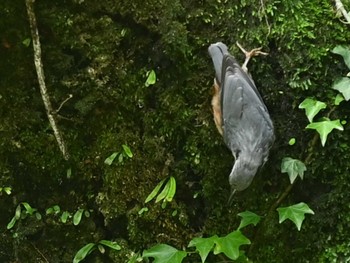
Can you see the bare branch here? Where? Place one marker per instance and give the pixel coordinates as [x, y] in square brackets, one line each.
[340, 7]
[41, 78]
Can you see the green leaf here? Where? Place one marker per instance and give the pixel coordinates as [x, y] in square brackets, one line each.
[28, 208]
[11, 223]
[49, 211]
[172, 189]
[7, 190]
[292, 141]
[338, 99]
[86, 213]
[135, 258]
[229, 245]
[56, 208]
[83, 252]
[101, 248]
[248, 218]
[155, 191]
[163, 253]
[69, 173]
[151, 78]
[293, 167]
[344, 52]
[38, 216]
[295, 213]
[164, 192]
[343, 86]
[110, 244]
[64, 217]
[18, 212]
[325, 127]
[127, 151]
[109, 160]
[120, 158]
[77, 216]
[203, 245]
[312, 107]
[26, 42]
[142, 210]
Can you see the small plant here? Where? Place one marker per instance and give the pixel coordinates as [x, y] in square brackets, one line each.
[88, 248]
[22, 211]
[229, 245]
[124, 153]
[77, 216]
[167, 194]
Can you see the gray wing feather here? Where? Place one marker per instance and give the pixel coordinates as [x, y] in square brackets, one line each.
[243, 109]
[230, 64]
[217, 52]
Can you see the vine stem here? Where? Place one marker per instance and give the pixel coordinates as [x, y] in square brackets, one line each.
[289, 188]
[41, 79]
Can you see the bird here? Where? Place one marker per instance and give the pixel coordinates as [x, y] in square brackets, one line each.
[240, 115]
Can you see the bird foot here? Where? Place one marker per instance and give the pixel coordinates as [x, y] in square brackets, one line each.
[249, 54]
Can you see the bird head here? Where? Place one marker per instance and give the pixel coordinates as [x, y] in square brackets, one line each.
[243, 171]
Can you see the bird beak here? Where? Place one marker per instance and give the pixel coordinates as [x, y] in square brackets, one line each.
[231, 197]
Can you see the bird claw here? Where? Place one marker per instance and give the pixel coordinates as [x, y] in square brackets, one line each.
[249, 54]
[252, 53]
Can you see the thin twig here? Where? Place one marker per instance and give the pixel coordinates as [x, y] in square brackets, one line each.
[41, 78]
[262, 5]
[340, 7]
[40, 253]
[63, 102]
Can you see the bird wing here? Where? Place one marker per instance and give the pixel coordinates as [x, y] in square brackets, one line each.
[231, 66]
[243, 109]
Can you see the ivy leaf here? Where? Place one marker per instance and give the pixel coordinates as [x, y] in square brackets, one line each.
[325, 127]
[344, 52]
[248, 218]
[83, 252]
[343, 86]
[163, 253]
[229, 245]
[293, 167]
[203, 245]
[312, 107]
[338, 99]
[295, 213]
